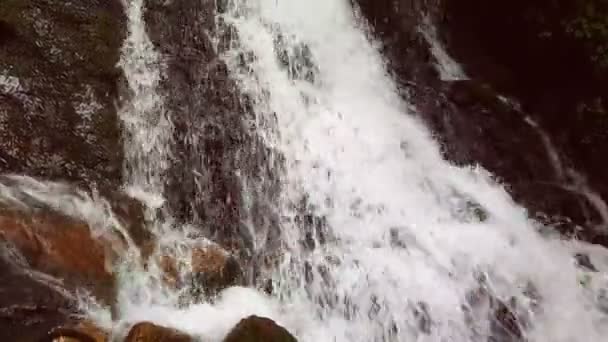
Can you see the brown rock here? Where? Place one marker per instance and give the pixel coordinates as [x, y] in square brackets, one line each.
[211, 270]
[148, 332]
[214, 269]
[61, 247]
[82, 332]
[259, 329]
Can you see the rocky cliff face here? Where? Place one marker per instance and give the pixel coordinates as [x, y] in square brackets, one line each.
[58, 94]
[59, 86]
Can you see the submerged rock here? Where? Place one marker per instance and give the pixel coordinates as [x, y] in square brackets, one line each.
[259, 329]
[149, 332]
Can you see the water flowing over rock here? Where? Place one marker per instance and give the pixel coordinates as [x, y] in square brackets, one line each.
[475, 123]
[321, 170]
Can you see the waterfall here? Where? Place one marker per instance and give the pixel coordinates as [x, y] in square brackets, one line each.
[380, 238]
[407, 236]
[148, 128]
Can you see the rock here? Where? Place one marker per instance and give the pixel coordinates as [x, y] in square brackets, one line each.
[149, 332]
[259, 329]
[210, 138]
[61, 247]
[58, 89]
[29, 307]
[81, 332]
[214, 269]
[211, 269]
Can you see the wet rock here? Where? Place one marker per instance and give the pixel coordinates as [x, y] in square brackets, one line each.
[62, 248]
[214, 269]
[148, 332]
[212, 135]
[30, 306]
[81, 332]
[259, 329]
[58, 88]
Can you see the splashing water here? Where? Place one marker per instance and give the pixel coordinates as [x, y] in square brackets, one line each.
[408, 236]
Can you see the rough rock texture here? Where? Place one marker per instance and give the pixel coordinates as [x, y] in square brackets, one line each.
[476, 125]
[259, 329]
[58, 86]
[209, 271]
[216, 152]
[213, 270]
[148, 332]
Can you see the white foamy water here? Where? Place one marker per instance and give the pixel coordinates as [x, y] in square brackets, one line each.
[376, 175]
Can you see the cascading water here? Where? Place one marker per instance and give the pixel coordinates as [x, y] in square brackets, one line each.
[404, 246]
[408, 236]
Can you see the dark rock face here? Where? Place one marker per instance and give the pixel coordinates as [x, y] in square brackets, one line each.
[214, 149]
[528, 49]
[28, 308]
[475, 125]
[58, 121]
[58, 86]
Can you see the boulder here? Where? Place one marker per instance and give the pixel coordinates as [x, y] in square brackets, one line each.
[83, 331]
[211, 270]
[149, 332]
[214, 269]
[60, 247]
[259, 329]
[29, 307]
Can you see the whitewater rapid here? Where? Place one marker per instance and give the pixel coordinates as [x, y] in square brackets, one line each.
[408, 243]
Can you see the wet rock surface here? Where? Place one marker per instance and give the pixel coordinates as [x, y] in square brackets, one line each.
[58, 87]
[217, 156]
[78, 332]
[62, 248]
[259, 329]
[29, 308]
[148, 332]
